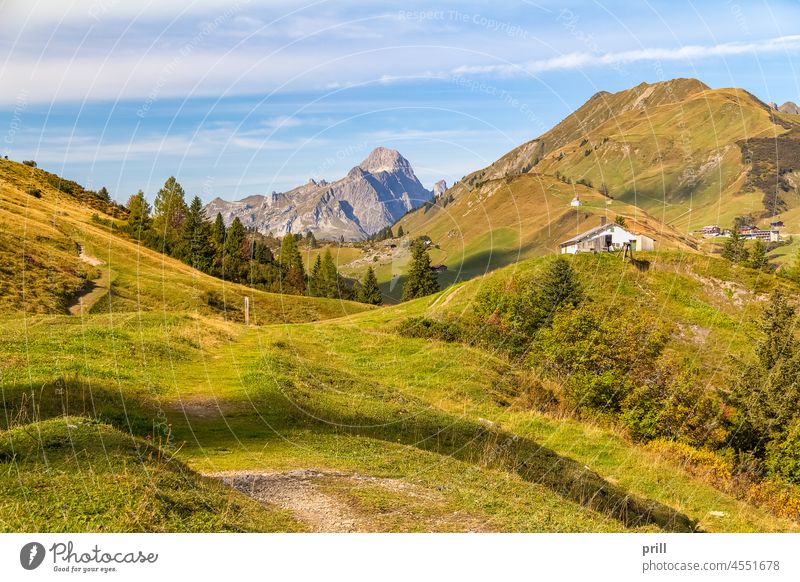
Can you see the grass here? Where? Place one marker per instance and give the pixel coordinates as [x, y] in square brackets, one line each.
[350, 396]
[111, 418]
[71, 474]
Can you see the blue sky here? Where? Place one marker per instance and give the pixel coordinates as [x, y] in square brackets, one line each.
[240, 98]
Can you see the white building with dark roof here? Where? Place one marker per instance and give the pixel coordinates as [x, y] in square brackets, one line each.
[606, 238]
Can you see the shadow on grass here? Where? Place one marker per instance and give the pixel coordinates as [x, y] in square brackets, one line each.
[23, 404]
[472, 266]
[335, 402]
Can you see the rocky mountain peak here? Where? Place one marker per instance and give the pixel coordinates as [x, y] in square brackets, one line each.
[790, 107]
[383, 159]
[372, 196]
[439, 188]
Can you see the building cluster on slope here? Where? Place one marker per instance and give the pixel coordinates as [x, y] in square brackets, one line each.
[773, 234]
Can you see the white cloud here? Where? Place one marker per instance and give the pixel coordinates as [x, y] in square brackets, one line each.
[576, 60]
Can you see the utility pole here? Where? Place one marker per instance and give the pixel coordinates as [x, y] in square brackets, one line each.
[246, 310]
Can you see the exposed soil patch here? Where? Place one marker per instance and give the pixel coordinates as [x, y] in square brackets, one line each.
[303, 492]
[93, 291]
[297, 492]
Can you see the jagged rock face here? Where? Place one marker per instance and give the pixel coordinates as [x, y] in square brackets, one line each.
[790, 107]
[439, 188]
[372, 196]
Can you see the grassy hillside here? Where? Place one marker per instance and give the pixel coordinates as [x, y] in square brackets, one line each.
[42, 272]
[675, 155]
[72, 474]
[378, 431]
[501, 221]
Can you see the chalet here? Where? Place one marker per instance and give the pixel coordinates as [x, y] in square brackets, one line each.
[776, 224]
[711, 230]
[606, 238]
[439, 268]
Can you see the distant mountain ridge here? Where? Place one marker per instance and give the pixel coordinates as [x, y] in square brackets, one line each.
[372, 196]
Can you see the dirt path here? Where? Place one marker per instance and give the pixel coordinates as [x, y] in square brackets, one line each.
[299, 491]
[92, 291]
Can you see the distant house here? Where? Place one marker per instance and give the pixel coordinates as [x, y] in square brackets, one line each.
[439, 268]
[776, 224]
[575, 201]
[711, 230]
[765, 235]
[606, 238]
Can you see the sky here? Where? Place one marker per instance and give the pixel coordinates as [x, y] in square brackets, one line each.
[249, 97]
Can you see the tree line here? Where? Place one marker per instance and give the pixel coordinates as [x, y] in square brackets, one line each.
[236, 254]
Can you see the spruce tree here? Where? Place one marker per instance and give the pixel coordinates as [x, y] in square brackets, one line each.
[734, 249]
[169, 215]
[292, 266]
[369, 292]
[400, 233]
[559, 287]
[138, 216]
[197, 249]
[420, 280]
[328, 285]
[232, 263]
[768, 389]
[218, 233]
[758, 255]
[314, 277]
[263, 254]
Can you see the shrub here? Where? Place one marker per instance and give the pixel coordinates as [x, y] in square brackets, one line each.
[35, 192]
[783, 454]
[674, 406]
[30, 163]
[526, 303]
[599, 355]
[424, 327]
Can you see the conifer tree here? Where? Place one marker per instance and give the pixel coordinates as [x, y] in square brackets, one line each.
[369, 292]
[421, 280]
[138, 216]
[197, 249]
[169, 215]
[559, 287]
[734, 249]
[294, 280]
[263, 254]
[313, 279]
[758, 255]
[232, 263]
[328, 285]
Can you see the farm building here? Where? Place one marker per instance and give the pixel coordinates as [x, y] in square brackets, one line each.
[605, 238]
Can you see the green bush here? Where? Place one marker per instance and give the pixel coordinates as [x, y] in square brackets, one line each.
[35, 192]
[599, 355]
[676, 406]
[424, 327]
[783, 454]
